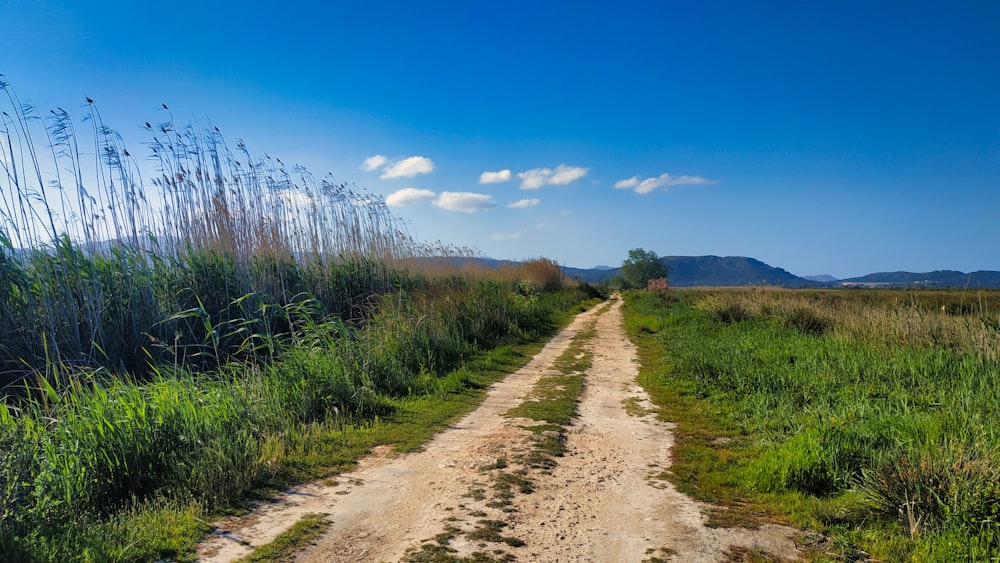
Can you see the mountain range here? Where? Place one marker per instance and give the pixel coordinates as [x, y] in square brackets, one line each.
[689, 271]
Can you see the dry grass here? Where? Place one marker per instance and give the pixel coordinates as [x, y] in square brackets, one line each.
[954, 319]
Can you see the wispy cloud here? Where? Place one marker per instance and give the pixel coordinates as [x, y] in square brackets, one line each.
[373, 163]
[507, 236]
[525, 203]
[494, 177]
[408, 167]
[464, 202]
[627, 183]
[664, 181]
[562, 175]
[408, 196]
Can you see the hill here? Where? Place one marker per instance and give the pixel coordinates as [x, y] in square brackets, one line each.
[688, 271]
[823, 278]
[937, 278]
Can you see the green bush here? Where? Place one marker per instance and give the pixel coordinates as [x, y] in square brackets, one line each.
[729, 313]
[807, 321]
[954, 485]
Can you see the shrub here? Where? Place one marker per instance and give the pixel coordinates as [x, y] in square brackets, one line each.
[955, 484]
[807, 321]
[732, 312]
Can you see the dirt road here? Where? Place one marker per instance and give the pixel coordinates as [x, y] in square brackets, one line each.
[472, 489]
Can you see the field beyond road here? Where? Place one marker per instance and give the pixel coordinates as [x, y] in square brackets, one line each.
[866, 416]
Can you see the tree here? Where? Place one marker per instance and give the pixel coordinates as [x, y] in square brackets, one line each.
[640, 267]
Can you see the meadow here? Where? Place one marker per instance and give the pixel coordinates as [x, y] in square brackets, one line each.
[869, 416]
[175, 346]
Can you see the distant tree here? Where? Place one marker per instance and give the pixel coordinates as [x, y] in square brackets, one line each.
[640, 267]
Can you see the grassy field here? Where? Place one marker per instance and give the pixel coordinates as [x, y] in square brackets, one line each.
[867, 415]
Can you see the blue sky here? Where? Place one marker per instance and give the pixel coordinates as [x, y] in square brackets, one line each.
[822, 137]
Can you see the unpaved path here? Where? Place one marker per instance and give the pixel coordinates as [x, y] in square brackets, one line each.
[601, 502]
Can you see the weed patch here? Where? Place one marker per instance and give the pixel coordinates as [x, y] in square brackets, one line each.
[661, 555]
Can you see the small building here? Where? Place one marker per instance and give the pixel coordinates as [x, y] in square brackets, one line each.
[659, 284]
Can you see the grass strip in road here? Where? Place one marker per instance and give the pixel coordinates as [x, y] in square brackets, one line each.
[284, 547]
[553, 402]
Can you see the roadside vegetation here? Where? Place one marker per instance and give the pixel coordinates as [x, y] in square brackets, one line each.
[170, 348]
[867, 415]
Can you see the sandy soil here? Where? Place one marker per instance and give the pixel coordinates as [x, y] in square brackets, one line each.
[601, 502]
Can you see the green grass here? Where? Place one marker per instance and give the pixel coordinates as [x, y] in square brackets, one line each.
[633, 406]
[796, 406]
[555, 396]
[284, 547]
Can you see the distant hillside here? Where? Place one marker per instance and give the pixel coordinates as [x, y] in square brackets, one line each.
[687, 271]
[937, 278]
[824, 278]
[591, 275]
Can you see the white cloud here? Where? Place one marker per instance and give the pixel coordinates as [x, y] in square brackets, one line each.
[534, 178]
[566, 174]
[465, 202]
[524, 203]
[627, 184]
[664, 181]
[494, 177]
[562, 175]
[507, 236]
[373, 163]
[408, 196]
[408, 167]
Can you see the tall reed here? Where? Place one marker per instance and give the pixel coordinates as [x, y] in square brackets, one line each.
[99, 268]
